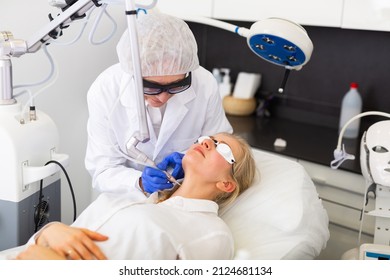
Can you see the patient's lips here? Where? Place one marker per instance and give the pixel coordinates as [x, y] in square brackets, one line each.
[199, 149]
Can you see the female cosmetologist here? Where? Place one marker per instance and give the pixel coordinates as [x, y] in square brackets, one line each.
[178, 224]
[182, 103]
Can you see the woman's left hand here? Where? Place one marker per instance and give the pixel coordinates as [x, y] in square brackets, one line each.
[36, 252]
[71, 242]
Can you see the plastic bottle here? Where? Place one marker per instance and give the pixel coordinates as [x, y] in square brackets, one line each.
[350, 107]
[225, 88]
[217, 75]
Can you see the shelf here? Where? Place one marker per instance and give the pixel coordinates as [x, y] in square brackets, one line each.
[312, 143]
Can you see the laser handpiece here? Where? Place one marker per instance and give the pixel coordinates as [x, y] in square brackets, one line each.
[171, 178]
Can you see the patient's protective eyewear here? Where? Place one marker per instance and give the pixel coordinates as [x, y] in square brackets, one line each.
[151, 88]
[223, 149]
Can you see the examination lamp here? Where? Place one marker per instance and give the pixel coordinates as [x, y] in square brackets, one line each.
[276, 40]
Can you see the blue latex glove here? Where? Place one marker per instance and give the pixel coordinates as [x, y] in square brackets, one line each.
[155, 180]
[174, 161]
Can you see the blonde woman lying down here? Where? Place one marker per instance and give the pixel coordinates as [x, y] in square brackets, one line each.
[180, 224]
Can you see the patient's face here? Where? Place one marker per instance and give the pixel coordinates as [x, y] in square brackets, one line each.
[204, 159]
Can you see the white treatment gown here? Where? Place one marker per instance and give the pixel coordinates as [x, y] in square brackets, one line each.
[140, 229]
[113, 120]
[178, 228]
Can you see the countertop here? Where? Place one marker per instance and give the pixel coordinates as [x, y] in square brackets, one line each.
[313, 143]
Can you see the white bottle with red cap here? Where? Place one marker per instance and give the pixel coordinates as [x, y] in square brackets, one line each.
[351, 106]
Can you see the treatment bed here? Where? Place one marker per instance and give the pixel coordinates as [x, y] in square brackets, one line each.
[280, 216]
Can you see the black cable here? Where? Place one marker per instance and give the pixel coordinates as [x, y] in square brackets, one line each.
[37, 214]
[70, 187]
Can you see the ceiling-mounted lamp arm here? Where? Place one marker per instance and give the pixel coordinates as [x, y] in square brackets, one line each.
[242, 31]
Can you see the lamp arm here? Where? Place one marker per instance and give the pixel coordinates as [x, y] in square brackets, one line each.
[242, 31]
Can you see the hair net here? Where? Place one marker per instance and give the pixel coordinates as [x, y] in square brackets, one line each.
[167, 46]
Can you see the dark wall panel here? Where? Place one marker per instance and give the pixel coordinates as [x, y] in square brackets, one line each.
[315, 92]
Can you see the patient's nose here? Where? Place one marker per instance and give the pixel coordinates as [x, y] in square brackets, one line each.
[207, 144]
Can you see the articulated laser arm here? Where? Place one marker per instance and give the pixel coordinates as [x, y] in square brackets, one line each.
[16, 47]
[10, 47]
[72, 10]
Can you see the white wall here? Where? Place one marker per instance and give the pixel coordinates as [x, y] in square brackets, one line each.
[64, 100]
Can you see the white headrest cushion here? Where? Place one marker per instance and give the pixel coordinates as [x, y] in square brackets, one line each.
[280, 215]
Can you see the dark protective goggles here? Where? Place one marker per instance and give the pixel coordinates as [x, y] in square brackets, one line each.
[151, 88]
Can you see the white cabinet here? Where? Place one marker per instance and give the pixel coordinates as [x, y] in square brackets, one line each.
[342, 193]
[305, 12]
[191, 7]
[366, 14]
[351, 14]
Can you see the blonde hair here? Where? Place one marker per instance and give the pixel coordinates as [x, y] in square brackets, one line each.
[244, 174]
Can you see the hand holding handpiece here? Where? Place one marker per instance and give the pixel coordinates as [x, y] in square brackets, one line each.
[156, 178]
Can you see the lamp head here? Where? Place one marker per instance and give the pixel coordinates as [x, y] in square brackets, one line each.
[375, 153]
[281, 42]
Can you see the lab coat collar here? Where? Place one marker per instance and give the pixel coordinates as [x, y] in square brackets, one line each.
[191, 204]
[128, 100]
[127, 91]
[174, 114]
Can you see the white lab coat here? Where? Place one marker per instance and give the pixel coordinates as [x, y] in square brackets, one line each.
[113, 119]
